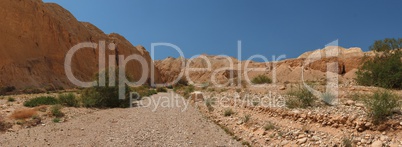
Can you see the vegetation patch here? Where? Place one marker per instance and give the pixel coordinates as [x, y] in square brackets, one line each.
[11, 99]
[269, 126]
[105, 96]
[23, 114]
[300, 98]
[385, 69]
[209, 102]
[161, 89]
[228, 112]
[42, 100]
[261, 79]
[381, 104]
[68, 100]
[56, 120]
[7, 89]
[56, 111]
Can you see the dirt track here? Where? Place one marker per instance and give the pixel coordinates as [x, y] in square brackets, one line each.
[138, 126]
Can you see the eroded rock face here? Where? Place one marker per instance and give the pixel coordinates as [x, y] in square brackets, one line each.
[35, 37]
[341, 61]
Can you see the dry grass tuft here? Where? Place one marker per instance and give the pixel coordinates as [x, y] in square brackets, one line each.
[23, 113]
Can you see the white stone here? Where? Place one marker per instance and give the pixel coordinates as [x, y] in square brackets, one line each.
[377, 143]
[301, 141]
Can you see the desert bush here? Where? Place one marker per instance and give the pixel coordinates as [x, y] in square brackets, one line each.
[269, 126]
[4, 126]
[357, 96]
[300, 98]
[56, 111]
[161, 89]
[33, 90]
[188, 90]
[11, 99]
[380, 105]
[328, 98]
[5, 90]
[209, 102]
[56, 120]
[256, 102]
[246, 118]
[347, 142]
[42, 100]
[183, 81]
[23, 114]
[246, 143]
[261, 79]
[385, 69]
[144, 91]
[105, 96]
[68, 100]
[88, 98]
[228, 112]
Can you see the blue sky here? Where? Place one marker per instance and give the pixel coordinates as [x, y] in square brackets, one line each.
[265, 27]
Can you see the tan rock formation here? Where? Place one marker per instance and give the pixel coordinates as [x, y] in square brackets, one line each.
[35, 37]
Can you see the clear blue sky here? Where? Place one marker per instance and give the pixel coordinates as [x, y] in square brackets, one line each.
[265, 27]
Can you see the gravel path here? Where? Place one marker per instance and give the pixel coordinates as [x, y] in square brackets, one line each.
[139, 126]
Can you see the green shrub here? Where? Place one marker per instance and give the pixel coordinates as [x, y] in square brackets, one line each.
[300, 98]
[228, 112]
[183, 82]
[347, 142]
[11, 99]
[269, 126]
[161, 89]
[5, 90]
[33, 90]
[209, 102]
[43, 100]
[56, 111]
[56, 120]
[105, 96]
[256, 102]
[188, 90]
[68, 100]
[245, 143]
[261, 79]
[88, 98]
[144, 91]
[246, 118]
[385, 69]
[381, 104]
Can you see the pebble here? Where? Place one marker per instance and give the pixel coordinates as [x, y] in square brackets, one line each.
[377, 143]
[315, 138]
[301, 141]
[350, 103]
[383, 138]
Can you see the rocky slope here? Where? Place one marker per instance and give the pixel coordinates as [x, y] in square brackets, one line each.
[290, 70]
[34, 40]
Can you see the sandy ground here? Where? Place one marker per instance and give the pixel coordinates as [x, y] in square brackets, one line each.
[139, 126]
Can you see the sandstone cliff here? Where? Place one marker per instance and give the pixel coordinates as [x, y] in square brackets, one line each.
[35, 37]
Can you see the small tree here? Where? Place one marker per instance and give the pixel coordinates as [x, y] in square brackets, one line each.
[105, 96]
[385, 68]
